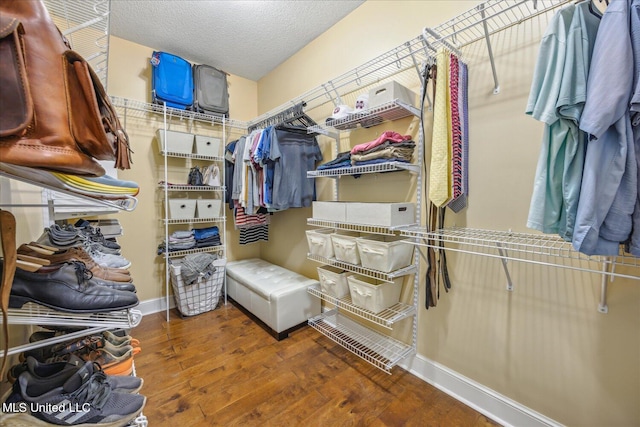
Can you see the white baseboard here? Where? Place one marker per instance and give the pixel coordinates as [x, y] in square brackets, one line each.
[493, 405]
[155, 305]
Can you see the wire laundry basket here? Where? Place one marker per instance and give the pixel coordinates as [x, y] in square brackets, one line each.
[201, 296]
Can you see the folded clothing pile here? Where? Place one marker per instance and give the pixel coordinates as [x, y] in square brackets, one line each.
[182, 240]
[388, 147]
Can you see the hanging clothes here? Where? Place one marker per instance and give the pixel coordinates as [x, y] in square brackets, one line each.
[609, 193]
[558, 93]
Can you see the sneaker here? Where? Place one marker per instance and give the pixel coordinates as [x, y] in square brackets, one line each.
[106, 260]
[84, 398]
[59, 372]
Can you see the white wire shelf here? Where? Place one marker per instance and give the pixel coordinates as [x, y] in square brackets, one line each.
[407, 56]
[191, 156]
[375, 274]
[544, 249]
[129, 107]
[194, 220]
[392, 110]
[380, 350]
[369, 229]
[210, 249]
[498, 15]
[85, 24]
[385, 318]
[125, 203]
[35, 314]
[358, 170]
[185, 187]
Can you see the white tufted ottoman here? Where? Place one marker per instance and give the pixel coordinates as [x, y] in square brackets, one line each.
[274, 295]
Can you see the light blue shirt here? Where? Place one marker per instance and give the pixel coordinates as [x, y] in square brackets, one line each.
[557, 98]
[609, 189]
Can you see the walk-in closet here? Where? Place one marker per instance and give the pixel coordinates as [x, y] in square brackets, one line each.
[290, 213]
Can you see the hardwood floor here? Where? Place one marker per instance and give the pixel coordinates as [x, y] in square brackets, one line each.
[220, 368]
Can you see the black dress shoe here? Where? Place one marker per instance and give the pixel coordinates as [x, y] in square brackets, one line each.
[66, 287]
[120, 286]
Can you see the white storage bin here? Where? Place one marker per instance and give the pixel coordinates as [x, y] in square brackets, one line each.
[177, 142]
[319, 242]
[381, 214]
[345, 248]
[333, 281]
[208, 208]
[374, 295]
[201, 296]
[385, 253]
[182, 208]
[390, 91]
[208, 145]
[330, 211]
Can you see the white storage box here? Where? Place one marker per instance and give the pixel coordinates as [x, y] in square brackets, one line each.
[319, 242]
[209, 208]
[330, 211]
[208, 145]
[390, 91]
[333, 281]
[177, 142]
[201, 296]
[374, 295]
[385, 253]
[381, 214]
[182, 208]
[345, 248]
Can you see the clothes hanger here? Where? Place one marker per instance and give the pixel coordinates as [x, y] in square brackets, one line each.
[34, 260]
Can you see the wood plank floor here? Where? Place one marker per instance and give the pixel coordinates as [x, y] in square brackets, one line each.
[220, 368]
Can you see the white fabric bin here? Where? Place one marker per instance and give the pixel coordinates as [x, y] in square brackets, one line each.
[177, 142]
[319, 242]
[182, 208]
[208, 208]
[333, 281]
[388, 92]
[345, 248]
[374, 295]
[208, 145]
[385, 253]
[381, 214]
[330, 211]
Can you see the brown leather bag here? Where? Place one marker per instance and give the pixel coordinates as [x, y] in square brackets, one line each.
[60, 117]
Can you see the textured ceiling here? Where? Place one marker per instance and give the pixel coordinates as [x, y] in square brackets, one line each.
[245, 38]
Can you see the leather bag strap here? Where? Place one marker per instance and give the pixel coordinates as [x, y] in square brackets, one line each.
[8, 238]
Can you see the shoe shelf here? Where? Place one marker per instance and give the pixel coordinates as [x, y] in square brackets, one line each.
[35, 314]
[543, 249]
[380, 350]
[221, 219]
[385, 318]
[392, 110]
[125, 203]
[179, 254]
[369, 229]
[380, 275]
[358, 170]
[184, 187]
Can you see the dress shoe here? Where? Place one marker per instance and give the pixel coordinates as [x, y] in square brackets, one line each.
[65, 287]
[77, 254]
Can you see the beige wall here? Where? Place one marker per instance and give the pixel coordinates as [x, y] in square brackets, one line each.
[544, 344]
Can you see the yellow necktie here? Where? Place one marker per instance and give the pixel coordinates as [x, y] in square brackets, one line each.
[440, 170]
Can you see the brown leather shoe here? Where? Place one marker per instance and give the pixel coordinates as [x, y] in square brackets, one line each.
[76, 254]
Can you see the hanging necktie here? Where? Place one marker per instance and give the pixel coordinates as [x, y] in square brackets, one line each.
[460, 202]
[440, 169]
[456, 136]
